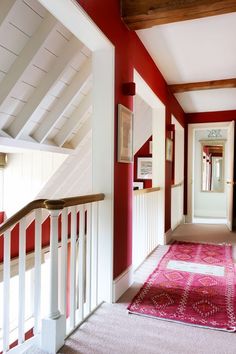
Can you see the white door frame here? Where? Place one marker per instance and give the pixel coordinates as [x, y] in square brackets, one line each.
[191, 138]
[158, 147]
[77, 21]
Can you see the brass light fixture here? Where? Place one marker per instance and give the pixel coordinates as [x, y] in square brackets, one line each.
[3, 159]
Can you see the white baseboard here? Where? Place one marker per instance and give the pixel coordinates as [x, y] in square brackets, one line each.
[188, 219]
[122, 283]
[181, 222]
[168, 236]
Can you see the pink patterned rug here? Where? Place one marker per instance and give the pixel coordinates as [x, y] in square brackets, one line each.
[194, 284]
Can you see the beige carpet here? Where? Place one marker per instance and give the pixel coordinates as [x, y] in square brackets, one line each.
[111, 330]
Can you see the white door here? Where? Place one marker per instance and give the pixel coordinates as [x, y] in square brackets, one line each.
[230, 174]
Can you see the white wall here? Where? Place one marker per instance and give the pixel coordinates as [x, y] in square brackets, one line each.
[177, 192]
[206, 204]
[74, 176]
[179, 151]
[24, 176]
[142, 122]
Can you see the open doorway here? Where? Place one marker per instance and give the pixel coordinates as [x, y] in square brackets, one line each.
[210, 173]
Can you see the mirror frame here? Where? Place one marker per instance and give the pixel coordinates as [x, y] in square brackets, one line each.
[214, 142]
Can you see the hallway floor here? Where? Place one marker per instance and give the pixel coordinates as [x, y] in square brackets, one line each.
[111, 330]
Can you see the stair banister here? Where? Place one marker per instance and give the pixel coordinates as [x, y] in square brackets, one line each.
[53, 328]
[40, 203]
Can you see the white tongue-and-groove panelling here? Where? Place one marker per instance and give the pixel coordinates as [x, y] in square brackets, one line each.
[45, 78]
[24, 176]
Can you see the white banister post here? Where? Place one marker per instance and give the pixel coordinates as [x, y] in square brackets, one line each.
[54, 312]
[54, 326]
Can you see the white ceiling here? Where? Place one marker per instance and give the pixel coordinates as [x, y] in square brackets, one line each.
[45, 78]
[194, 51]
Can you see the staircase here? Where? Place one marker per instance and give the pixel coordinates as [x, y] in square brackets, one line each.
[65, 270]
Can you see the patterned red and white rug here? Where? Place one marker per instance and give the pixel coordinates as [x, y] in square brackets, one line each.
[194, 284]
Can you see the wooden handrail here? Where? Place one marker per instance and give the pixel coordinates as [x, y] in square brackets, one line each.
[50, 205]
[146, 190]
[177, 185]
[84, 199]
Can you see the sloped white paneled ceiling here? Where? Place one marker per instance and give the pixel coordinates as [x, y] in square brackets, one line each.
[45, 77]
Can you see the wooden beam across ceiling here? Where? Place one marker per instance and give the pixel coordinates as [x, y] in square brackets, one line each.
[140, 14]
[205, 85]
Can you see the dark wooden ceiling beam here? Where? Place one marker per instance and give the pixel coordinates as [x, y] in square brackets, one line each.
[205, 85]
[140, 14]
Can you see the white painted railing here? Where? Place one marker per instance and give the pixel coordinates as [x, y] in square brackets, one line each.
[145, 224]
[56, 311]
[176, 205]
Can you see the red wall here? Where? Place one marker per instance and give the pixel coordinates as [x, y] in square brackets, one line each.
[2, 216]
[142, 152]
[210, 117]
[129, 54]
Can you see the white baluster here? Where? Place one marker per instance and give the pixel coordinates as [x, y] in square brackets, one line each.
[88, 259]
[6, 290]
[81, 263]
[94, 256]
[64, 248]
[21, 291]
[73, 266]
[53, 286]
[54, 326]
[37, 270]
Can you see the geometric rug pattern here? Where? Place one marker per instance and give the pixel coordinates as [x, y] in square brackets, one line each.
[192, 298]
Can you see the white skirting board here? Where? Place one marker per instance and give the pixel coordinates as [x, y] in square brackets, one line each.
[122, 283]
[168, 236]
[182, 221]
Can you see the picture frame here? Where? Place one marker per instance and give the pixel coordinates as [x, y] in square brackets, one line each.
[138, 185]
[125, 134]
[144, 168]
[169, 149]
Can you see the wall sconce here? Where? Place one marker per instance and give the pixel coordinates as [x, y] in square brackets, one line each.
[3, 159]
[129, 89]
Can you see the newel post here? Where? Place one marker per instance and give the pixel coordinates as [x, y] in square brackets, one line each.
[54, 325]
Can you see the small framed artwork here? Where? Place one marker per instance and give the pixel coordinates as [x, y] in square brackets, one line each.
[137, 185]
[125, 134]
[144, 168]
[169, 149]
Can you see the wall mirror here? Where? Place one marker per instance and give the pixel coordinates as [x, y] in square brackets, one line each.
[212, 161]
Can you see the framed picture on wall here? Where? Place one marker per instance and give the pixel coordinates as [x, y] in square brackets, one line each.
[144, 168]
[125, 134]
[138, 185]
[169, 149]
